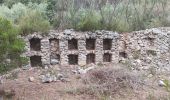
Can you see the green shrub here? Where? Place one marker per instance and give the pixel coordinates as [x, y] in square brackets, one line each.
[121, 15]
[10, 3]
[11, 47]
[33, 22]
[89, 22]
[85, 15]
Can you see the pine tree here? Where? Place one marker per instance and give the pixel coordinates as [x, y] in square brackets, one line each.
[11, 47]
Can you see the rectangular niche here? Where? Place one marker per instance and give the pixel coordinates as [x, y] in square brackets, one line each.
[107, 44]
[123, 54]
[35, 61]
[90, 44]
[150, 41]
[54, 59]
[72, 44]
[54, 45]
[73, 59]
[107, 57]
[90, 58]
[35, 44]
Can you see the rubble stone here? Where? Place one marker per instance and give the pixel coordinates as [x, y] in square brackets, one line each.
[150, 47]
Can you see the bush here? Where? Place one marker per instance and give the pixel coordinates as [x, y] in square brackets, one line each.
[10, 3]
[11, 47]
[89, 15]
[110, 81]
[89, 22]
[29, 18]
[120, 15]
[13, 14]
[33, 22]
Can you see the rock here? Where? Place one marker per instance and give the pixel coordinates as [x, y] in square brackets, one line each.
[31, 79]
[8, 61]
[54, 78]
[46, 67]
[64, 80]
[150, 75]
[1, 81]
[138, 61]
[48, 75]
[161, 83]
[59, 76]
[75, 71]
[47, 80]
[54, 61]
[89, 68]
[83, 71]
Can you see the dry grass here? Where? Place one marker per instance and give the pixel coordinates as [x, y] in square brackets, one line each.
[108, 81]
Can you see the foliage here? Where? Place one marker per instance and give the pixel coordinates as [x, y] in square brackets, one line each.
[33, 22]
[87, 21]
[167, 85]
[27, 16]
[108, 82]
[126, 15]
[10, 3]
[11, 47]
[85, 15]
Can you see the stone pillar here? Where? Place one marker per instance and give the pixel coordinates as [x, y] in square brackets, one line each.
[115, 51]
[99, 50]
[27, 53]
[82, 52]
[64, 51]
[45, 49]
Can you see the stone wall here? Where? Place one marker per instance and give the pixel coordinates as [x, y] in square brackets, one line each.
[72, 48]
[143, 49]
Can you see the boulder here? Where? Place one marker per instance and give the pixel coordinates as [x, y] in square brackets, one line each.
[31, 79]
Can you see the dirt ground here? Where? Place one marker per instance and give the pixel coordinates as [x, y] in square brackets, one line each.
[22, 89]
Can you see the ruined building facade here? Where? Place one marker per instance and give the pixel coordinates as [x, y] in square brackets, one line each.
[142, 49]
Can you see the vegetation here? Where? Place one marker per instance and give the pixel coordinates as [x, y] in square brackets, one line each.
[86, 15]
[104, 83]
[10, 47]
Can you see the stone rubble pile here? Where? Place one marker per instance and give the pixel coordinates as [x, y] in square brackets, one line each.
[48, 78]
[149, 49]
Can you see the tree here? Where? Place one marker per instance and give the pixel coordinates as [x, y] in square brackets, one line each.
[11, 47]
[1, 1]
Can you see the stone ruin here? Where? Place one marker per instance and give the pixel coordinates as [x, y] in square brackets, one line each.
[140, 49]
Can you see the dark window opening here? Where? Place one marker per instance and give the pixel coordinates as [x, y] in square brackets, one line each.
[35, 44]
[107, 44]
[73, 59]
[150, 40]
[90, 58]
[90, 44]
[72, 44]
[54, 59]
[107, 57]
[123, 54]
[35, 61]
[54, 45]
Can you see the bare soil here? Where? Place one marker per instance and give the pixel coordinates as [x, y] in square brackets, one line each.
[21, 89]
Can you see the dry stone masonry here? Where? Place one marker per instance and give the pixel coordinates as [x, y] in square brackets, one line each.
[72, 48]
[141, 49]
